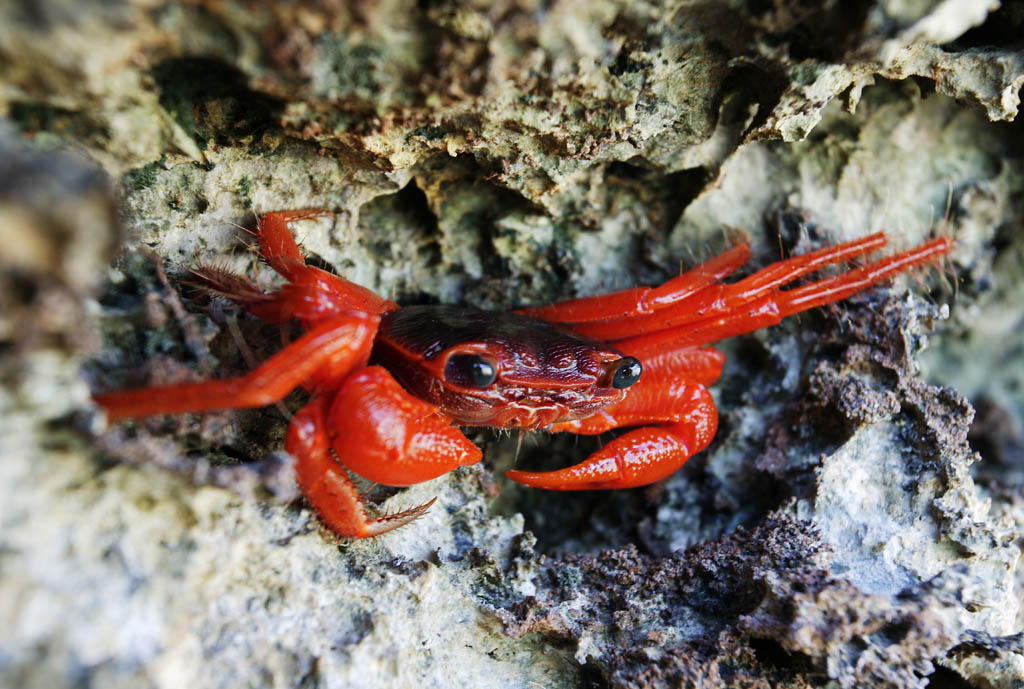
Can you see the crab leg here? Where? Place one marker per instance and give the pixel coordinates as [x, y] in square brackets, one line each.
[311, 294]
[277, 242]
[687, 421]
[642, 309]
[720, 299]
[326, 485]
[314, 295]
[773, 304]
[642, 300]
[323, 355]
[278, 247]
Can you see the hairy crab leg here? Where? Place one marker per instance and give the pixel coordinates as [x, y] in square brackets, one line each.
[772, 307]
[277, 242]
[321, 356]
[326, 485]
[278, 247]
[721, 298]
[311, 294]
[687, 421]
[314, 296]
[642, 300]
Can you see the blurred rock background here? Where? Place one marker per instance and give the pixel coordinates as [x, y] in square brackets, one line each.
[857, 521]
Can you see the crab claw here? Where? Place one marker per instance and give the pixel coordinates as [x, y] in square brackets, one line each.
[386, 435]
[328, 487]
[643, 455]
[638, 458]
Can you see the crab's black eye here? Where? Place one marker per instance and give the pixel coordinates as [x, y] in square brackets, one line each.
[627, 372]
[470, 370]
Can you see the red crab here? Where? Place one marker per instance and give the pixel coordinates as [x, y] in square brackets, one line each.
[389, 385]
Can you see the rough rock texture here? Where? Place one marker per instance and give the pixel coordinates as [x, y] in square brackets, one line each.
[855, 523]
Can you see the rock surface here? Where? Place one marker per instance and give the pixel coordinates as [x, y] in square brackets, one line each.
[842, 530]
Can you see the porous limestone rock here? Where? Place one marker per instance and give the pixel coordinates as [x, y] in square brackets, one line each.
[841, 530]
